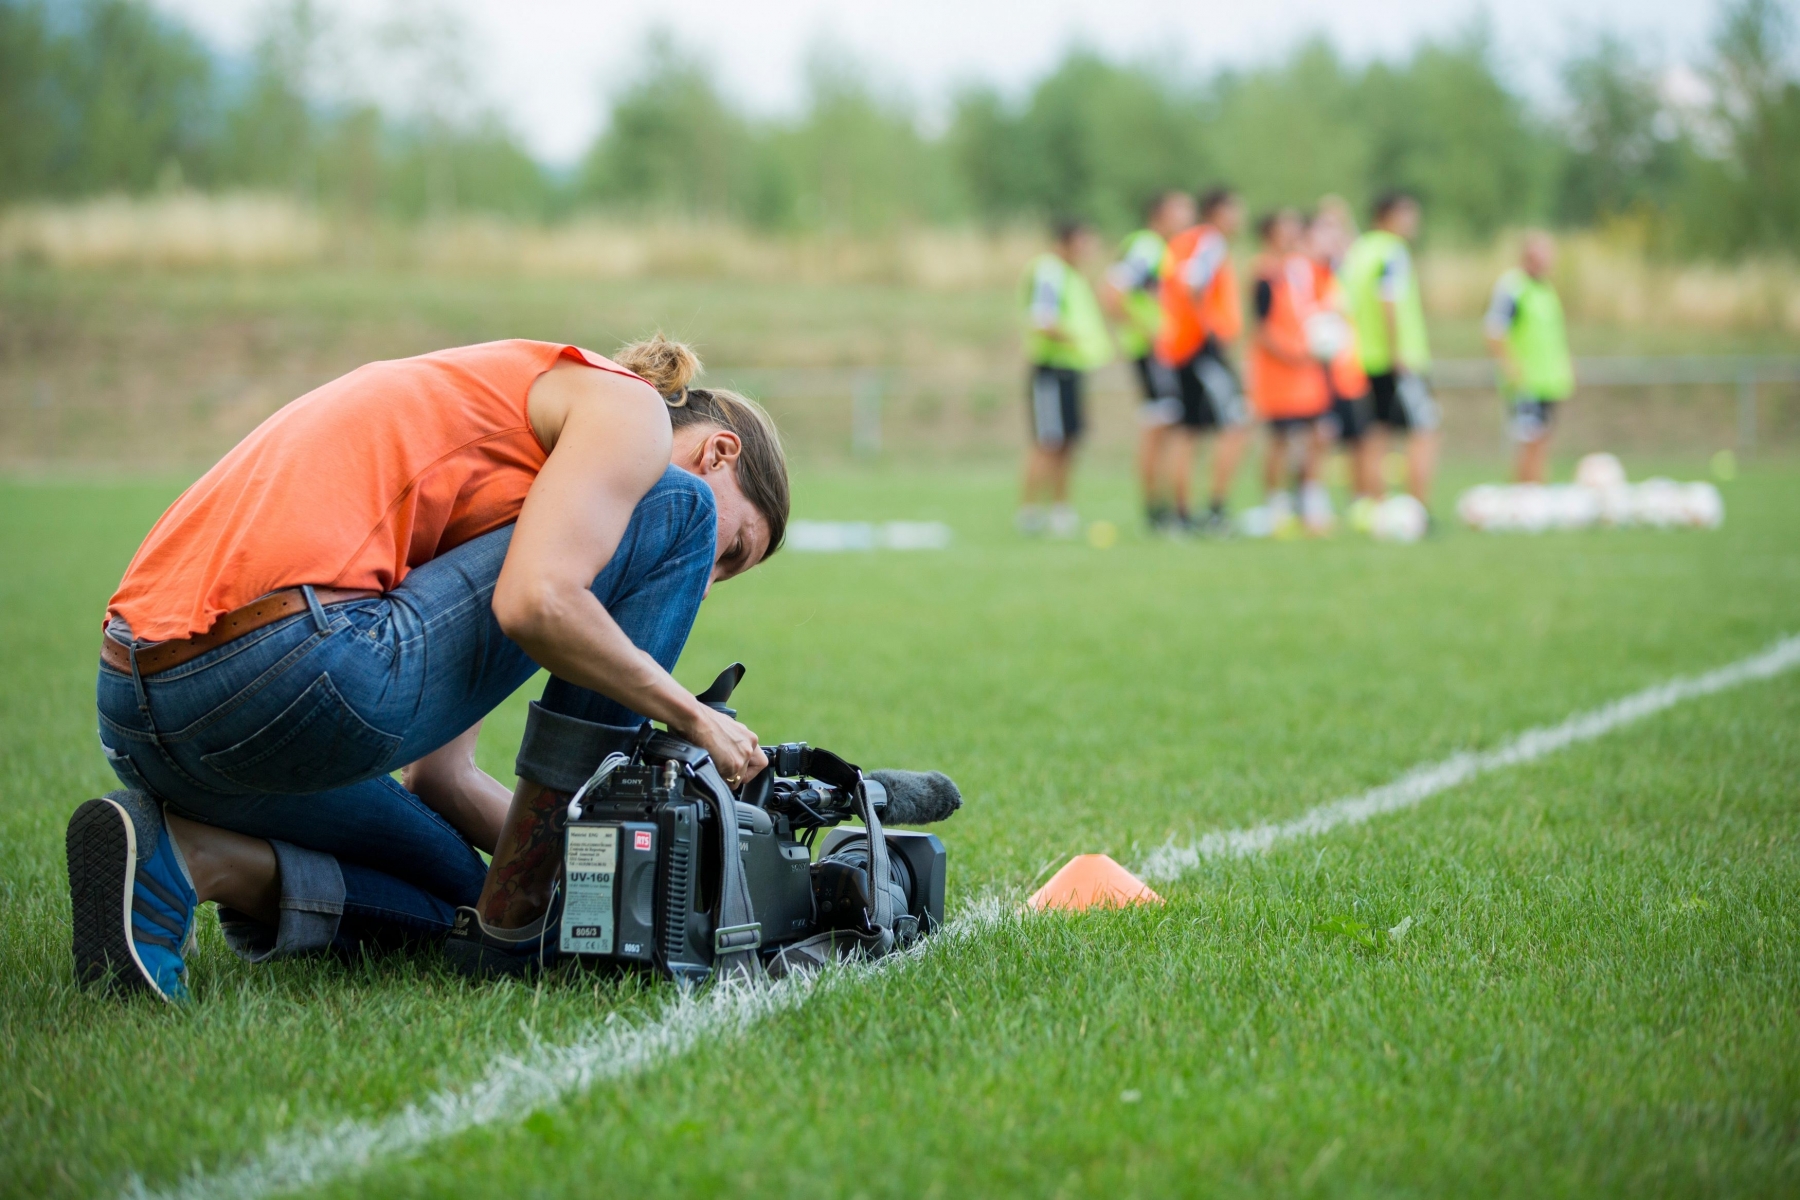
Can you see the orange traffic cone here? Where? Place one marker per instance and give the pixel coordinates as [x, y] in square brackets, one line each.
[1092, 879]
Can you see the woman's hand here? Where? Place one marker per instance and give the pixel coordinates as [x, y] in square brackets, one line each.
[734, 748]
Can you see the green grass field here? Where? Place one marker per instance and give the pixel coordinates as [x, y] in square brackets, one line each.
[1596, 993]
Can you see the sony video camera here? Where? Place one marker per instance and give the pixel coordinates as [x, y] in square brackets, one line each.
[666, 869]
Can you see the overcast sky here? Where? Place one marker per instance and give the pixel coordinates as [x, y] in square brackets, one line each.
[547, 64]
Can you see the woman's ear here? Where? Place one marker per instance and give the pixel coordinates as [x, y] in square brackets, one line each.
[722, 450]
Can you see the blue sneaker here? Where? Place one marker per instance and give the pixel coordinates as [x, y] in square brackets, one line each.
[131, 898]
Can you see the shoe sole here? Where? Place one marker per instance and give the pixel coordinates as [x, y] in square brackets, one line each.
[100, 838]
[469, 957]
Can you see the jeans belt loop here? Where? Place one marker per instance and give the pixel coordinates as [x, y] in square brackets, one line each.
[321, 622]
[143, 699]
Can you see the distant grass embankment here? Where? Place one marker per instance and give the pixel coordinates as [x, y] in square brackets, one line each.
[158, 332]
[1605, 277]
[189, 230]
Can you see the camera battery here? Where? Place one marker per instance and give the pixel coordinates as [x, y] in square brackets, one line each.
[609, 889]
[636, 925]
[590, 865]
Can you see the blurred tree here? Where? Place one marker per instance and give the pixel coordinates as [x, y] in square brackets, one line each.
[672, 143]
[350, 162]
[1444, 126]
[99, 95]
[1622, 149]
[1307, 106]
[1108, 137]
[855, 160]
[271, 129]
[29, 101]
[136, 101]
[989, 156]
[479, 169]
[1757, 194]
[1094, 140]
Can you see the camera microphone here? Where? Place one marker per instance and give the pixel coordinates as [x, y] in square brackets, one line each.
[917, 797]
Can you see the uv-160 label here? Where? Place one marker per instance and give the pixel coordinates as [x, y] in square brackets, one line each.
[589, 863]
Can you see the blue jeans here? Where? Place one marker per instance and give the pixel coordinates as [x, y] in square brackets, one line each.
[289, 733]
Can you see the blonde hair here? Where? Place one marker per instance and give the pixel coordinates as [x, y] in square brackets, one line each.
[669, 367]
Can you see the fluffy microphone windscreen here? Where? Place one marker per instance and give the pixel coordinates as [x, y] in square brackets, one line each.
[917, 797]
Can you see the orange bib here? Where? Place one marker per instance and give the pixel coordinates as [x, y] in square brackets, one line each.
[1290, 384]
[1187, 323]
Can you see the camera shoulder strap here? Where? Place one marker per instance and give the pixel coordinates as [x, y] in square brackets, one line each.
[737, 934]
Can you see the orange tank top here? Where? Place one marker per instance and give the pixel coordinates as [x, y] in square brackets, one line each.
[352, 485]
[1291, 383]
[1198, 259]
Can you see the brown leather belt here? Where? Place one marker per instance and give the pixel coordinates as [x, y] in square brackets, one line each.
[160, 656]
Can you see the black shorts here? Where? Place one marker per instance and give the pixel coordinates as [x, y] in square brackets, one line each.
[1162, 391]
[1054, 398]
[1211, 397]
[1349, 418]
[1403, 401]
[1531, 418]
[1295, 424]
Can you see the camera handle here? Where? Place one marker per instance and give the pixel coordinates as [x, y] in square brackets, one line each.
[827, 767]
[718, 695]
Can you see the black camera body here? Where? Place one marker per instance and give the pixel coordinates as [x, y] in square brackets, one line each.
[646, 883]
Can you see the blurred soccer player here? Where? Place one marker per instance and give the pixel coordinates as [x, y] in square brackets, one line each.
[1287, 383]
[1333, 341]
[1525, 333]
[1066, 337]
[1385, 310]
[1201, 318]
[1133, 295]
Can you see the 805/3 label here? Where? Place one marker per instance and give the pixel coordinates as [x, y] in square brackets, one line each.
[589, 863]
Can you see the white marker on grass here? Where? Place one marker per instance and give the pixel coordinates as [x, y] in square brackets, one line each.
[836, 537]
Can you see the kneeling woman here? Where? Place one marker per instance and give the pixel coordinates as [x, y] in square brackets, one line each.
[349, 592]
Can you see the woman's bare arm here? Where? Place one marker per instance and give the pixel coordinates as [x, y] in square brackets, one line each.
[611, 443]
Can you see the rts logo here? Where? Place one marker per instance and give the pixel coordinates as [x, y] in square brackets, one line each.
[640, 840]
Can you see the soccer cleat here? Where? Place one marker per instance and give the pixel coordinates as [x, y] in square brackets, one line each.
[130, 897]
[1065, 523]
[478, 950]
[1216, 524]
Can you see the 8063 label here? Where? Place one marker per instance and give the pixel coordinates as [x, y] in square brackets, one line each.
[590, 861]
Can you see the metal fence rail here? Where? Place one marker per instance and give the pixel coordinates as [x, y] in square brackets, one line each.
[1746, 372]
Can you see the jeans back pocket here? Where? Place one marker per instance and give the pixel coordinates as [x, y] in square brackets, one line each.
[317, 743]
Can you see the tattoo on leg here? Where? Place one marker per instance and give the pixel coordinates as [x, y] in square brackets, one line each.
[526, 861]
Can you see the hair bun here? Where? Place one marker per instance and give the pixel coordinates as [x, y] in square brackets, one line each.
[665, 365]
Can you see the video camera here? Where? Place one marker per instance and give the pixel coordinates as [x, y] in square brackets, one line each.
[646, 882]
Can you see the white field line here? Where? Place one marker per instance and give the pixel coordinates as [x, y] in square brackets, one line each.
[1421, 783]
[516, 1086]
